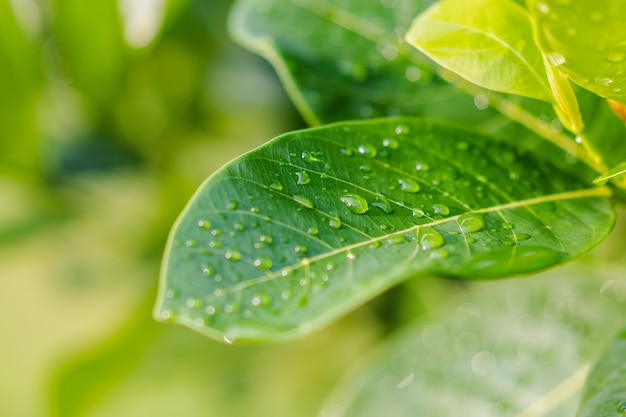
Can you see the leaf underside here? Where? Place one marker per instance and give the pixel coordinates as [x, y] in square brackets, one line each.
[298, 232]
[513, 348]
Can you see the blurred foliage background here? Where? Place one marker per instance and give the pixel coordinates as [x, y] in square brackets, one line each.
[111, 114]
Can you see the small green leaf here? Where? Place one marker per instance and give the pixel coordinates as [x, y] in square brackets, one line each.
[487, 42]
[585, 39]
[616, 173]
[605, 390]
[511, 348]
[385, 200]
[566, 106]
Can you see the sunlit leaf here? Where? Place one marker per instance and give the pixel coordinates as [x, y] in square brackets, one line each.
[615, 172]
[488, 42]
[566, 106]
[585, 39]
[605, 389]
[511, 348]
[296, 233]
[346, 59]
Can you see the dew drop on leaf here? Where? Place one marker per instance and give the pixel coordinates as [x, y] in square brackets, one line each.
[334, 223]
[418, 213]
[232, 254]
[309, 157]
[204, 224]
[429, 238]
[408, 185]
[556, 59]
[303, 178]
[401, 129]
[391, 143]
[232, 205]
[615, 57]
[276, 185]
[263, 262]
[382, 203]
[191, 243]
[240, 227]
[355, 203]
[300, 249]
[304, 201]
[441, 209]
[313, 231]
[367, 150]
[471, 222]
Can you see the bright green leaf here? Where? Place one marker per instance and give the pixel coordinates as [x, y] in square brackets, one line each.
[487, 42]
[605, 389]
[566, 106]
[511, 348]
[345, 59]
[614, 173]
[585, 39]
[298, 232]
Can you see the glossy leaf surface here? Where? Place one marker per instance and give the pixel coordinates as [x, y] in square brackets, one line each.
[346, 59]
[511, 348]
[585, 40]
[300, 231]
[487, 42]
[605, 390]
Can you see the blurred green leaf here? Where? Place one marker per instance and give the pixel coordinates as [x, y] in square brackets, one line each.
[347, 59]
[613, 173]
[508, 348]
[605, 389]
[296, 233]
[488, 42]
[585, 40]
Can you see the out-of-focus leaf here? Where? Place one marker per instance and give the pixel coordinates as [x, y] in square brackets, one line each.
[296, 233]
[605, 390]
[90, 39]
[585, 40]
[508, 348]
[488, 42]
[614, 173]
[346, 59]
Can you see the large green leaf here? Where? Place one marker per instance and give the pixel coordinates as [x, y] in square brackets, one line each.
[512, 348]
[488, 42]
[585, 40]
[298, 232]
[346, 59]
[605, 389]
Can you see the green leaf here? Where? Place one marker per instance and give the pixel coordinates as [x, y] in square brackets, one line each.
[345, 59]
[511, 348]
[298, 232]
[566, 106]
[487, 42]
[605, 389]
[614, 173]
[585, 39]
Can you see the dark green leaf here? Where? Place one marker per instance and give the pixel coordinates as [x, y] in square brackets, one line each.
[488, 42]
[346, 59]
[585, 40]
[605, 389]
[298, 232]
[512, 348]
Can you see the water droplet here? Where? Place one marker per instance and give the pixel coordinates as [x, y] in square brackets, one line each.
[210, 310]
[263, 262]
[215, 244]
[522, 236]
[615, 57]
[391, 143]
[408, 185]
[309, 157]
[351, 256]
[276, 185]
[420, 166]
[300, 249]
[207, 270]
[367, 150]
[171, 294]
[471, 222]
[303, 178]
[261, 300]
[604, 81]
[193, 303]
[240, 227]
[204, 224]
[304, 201]
[441, 209]
[191, 243]
[330, 266]
[382, 203]
[232, 205]
[313, 231]
[255, 209]
[365, 168]
[355, 203]
[347, 151]
[543, 8]
[232, 254]
[556, 59]
[413, 73]
[401, 129]
[418, 213]
[168, 315]
[429, 238]
[334, 223]
[397, 239]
